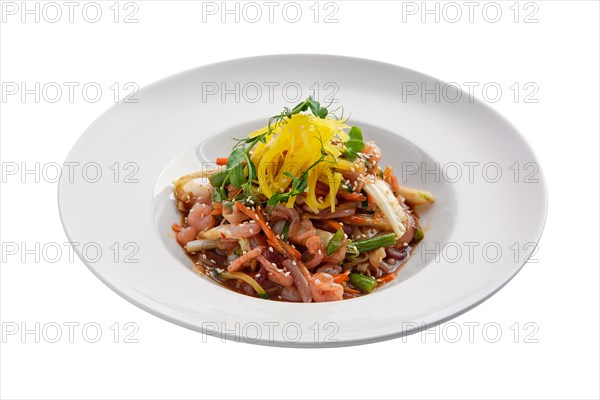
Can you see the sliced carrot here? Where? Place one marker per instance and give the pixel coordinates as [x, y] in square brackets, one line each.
[217, 211]
[386, 278]
[348, 289]
[177, 227]
[333, 224]
[357, 219]
[343, 277]
[291, 250]
[278, 244]
[234, 193]
[259, 217]
[222, 161]
[390, 178]
[354, 196]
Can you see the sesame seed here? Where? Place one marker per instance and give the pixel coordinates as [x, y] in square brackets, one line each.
[271, 248]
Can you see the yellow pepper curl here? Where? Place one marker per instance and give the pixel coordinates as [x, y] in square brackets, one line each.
[293, 147]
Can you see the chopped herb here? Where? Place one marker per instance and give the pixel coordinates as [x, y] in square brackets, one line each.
[355, 144]
[219, 179]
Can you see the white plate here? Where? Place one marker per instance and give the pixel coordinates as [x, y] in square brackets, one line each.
[178, 123]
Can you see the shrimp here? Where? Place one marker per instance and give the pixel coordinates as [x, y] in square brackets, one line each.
[315, 248]
[274, 274]
[372, 151]
[193, 192]
[282, 212]
[323, 288]
[304, 231]
[229, 245]
[314, 245]
[203, 194]
[337, 256]
[238, 263]
[330, 269]
[233, 215]
[186, 235]
[228, 231]
[200, 218]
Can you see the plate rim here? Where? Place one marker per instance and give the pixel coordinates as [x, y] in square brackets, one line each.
[478, 298]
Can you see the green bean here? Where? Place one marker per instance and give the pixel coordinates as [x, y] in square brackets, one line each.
[387, 239]
[363, 282]
[336, 242]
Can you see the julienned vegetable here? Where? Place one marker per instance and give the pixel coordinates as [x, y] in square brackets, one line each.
[201, 244]
[246, 278]
[388, 203]
[385, 240]
[363, 282]
[299, 210]
[415, 196]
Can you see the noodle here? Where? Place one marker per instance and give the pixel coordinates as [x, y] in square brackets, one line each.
[334, 226]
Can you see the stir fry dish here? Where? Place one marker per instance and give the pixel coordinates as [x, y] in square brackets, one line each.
[300, 211]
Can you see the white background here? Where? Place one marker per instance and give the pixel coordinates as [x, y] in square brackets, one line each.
[558, 295]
